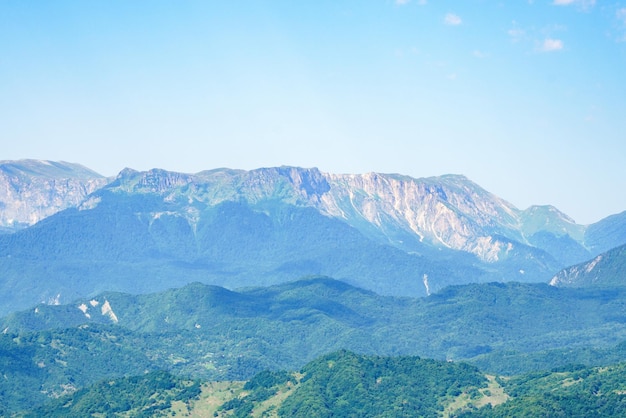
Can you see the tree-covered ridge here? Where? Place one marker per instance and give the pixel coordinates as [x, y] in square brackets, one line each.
[574, 391]
[341, 384]
[40, 366]
[345, 384]
[605, 270]
[212, 333]
[148, 395]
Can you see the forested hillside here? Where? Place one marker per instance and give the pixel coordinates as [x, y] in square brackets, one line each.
[212, 333]
[345, 384]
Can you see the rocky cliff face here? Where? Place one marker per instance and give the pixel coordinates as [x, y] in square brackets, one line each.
[442, 212]
[448, 211]
[384, 232]
[31, 190]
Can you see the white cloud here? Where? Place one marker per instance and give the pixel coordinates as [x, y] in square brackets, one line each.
[583, 4]
[620, 14]
[551, 45]
[452, 19]
[402, 2]
[516, 34]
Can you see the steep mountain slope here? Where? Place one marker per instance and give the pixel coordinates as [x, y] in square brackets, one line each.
[606, 270]
[140, 243]
[413, 214]
[606, 234]
[31, 190]
[149, 231]
[549, 229]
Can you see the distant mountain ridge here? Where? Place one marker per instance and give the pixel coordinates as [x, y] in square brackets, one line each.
[448, 211]
[149, 231]
[31, 190]
[606, 270]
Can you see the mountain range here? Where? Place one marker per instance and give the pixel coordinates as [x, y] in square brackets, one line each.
[73, 233]
[107, 282]
[212, 333]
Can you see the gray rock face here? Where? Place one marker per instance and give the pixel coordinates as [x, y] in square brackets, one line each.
[444, 212]
[31, 190]
[388, 233]
[448, 212]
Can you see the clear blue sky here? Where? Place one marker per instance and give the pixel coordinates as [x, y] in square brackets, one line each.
[526, 98]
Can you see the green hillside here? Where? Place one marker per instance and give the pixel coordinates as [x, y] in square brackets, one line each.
[148, 395]
[212, 333]
[345, 384]
[565, 392]
[336, 385]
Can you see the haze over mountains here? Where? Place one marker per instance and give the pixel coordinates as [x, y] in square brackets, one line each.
[224, 273]
[75, 233]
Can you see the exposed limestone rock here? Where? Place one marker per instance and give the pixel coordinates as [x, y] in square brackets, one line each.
[31, 190]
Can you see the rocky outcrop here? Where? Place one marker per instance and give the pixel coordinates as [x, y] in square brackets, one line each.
[31, 190]
[442, 212]
[448, 211]
[604, 270]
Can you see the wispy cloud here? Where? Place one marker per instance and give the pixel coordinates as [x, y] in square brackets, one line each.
[402, 2]
[516, 34]
[452, 19]
[551, 45]
[582, 4]
[620, 14]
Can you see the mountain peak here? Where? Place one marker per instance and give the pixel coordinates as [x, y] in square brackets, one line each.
[547, 218]
[155, 180]
[31, 190]
[29, 168]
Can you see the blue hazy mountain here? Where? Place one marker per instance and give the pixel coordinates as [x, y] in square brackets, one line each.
[606, 234]
[605, 270]
[396, 235]
[31, 190]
